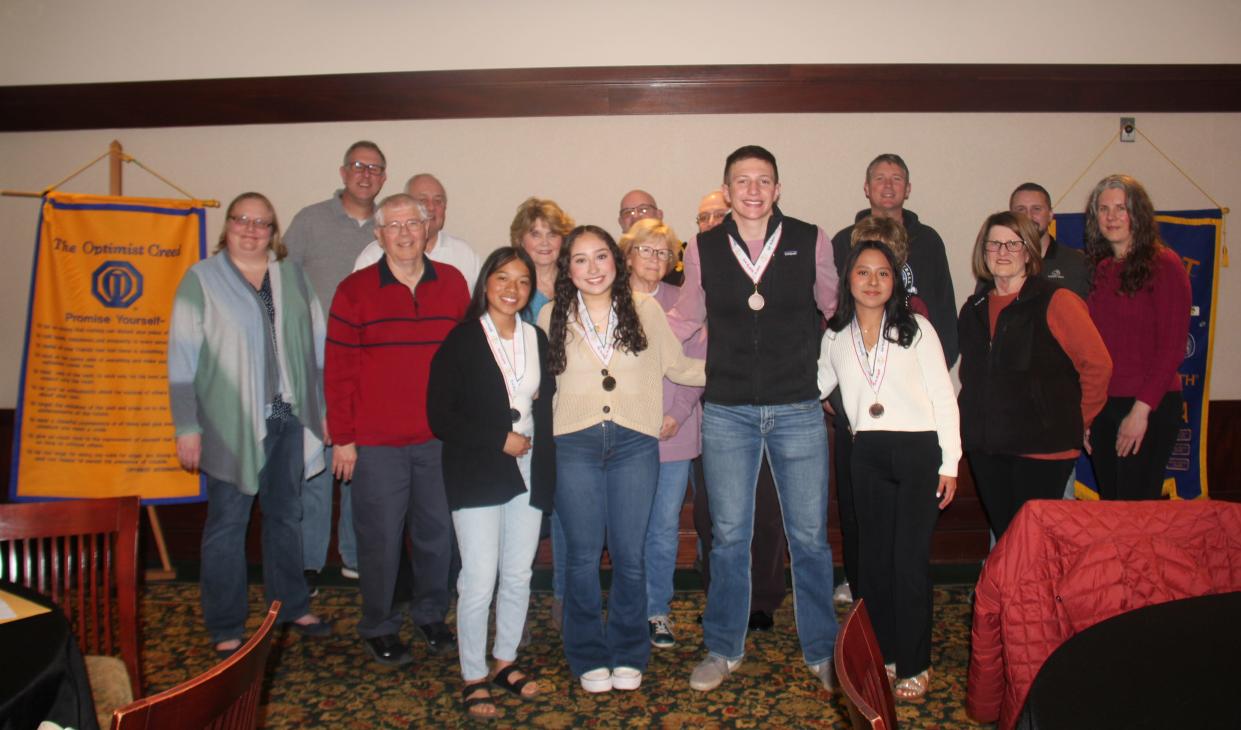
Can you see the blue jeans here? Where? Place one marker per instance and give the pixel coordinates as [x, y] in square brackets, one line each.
[662, 535]
[317, 519]
[224, 599]
[605, 481]
[795, 439]
[558, 557]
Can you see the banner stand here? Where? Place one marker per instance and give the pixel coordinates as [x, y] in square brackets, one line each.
[116, 156]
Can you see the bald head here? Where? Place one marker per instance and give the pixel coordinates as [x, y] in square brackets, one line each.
[636, 205]
[711, 210]
[427, 190]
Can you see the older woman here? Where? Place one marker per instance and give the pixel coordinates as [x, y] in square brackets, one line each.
[1139, 300]
[1034, 372]
[539, 228]
[488, 401]
[610, 350]
[245, 371]
[651, 249]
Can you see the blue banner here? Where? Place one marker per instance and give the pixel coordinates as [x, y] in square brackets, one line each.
[1196, 236]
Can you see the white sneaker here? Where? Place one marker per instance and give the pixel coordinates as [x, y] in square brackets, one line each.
[842, 594]
[347, 572]
[826, 672]
[626, 678]
[599, 680]
[711, 671]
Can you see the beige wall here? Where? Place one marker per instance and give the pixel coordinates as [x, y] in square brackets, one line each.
[963, 165]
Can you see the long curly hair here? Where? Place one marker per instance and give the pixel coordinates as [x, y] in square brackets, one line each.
[628, 337]
[1137, 267]
[900, 317]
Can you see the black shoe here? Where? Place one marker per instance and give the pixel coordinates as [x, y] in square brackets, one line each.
[440, 639]
[312, 581]
[389, 650]
[698, 620]
[761, 621]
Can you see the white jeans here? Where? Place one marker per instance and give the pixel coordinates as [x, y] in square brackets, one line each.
[499, 540]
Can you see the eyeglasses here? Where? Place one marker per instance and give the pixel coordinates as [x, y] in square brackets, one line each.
[711, 216]
[1010, 246]
[662, 254]
[394, 226]
[639, 211]
[363, 167]
[245, 221]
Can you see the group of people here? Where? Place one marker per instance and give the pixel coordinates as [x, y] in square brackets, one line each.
[588, 380]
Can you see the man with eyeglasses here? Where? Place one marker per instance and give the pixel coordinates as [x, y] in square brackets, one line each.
[767, 585]
[759, 282]
[386, 323]
[442, 247]
[324, 239]
[637, 205]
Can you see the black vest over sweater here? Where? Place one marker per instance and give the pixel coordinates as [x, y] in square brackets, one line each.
[1019, 393]
[768, 357]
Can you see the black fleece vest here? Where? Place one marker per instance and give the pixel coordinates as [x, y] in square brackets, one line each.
[768, 357]
[1019, 392]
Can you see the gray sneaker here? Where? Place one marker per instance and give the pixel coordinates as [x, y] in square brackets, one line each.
[661, 632]
[711, 672]
[826, 672]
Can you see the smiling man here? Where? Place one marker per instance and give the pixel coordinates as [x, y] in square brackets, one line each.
[387, 322]
[637, 205]
[1064, 266]
[324, 239]
[759, 281]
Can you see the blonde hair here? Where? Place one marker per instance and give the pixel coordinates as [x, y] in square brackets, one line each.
[884, 230]
[275, 244]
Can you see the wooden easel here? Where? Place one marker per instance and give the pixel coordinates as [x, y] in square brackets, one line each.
[116, 156]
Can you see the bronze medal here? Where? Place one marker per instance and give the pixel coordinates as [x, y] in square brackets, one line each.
[876, 410]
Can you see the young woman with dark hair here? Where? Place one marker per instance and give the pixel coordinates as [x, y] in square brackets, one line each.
[490, 403]
[609, 350]
[1139, 299]
[903, 413]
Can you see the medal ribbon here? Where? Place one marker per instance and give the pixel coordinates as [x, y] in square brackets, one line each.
[512, 372]
[874, 375]
[755, 269]
[604, 346]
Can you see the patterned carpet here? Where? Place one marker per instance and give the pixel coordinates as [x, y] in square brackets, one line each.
[332, 683]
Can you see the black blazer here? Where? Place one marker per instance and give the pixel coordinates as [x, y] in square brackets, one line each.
[467, 406]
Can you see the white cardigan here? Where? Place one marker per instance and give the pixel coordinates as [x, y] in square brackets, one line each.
[916, 392]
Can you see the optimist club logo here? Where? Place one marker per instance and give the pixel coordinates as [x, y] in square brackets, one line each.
[116, 284]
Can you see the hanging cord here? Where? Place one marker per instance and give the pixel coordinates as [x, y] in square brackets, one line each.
[74, 174]
[169, 183]
[1223, 210]
[124, 158]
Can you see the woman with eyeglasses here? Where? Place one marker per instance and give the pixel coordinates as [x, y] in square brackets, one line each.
[895, 390]
[610, 349]
[1140, 300]
[245, 374]
[490, 404]
[650, 248]
[1034, 372]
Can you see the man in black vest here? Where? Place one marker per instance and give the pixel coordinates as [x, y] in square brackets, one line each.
[759, 281]
[1064, 266]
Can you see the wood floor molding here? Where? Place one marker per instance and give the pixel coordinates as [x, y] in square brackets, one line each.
[623, 90]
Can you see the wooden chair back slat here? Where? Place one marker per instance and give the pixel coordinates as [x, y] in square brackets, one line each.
[859, 669]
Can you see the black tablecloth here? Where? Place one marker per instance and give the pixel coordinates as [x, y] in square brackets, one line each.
[1171, 665]
[42, 675]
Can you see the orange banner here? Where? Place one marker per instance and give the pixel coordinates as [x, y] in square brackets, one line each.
[93, 418]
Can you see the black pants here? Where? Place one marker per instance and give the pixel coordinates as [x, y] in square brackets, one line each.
[1005, 482]
[894, 477]
[768, 548]
[842, 455]
[1140, 475]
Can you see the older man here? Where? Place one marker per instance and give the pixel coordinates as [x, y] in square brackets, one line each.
[442, 247]
[324, 239]
[635, 206]
[387, 322]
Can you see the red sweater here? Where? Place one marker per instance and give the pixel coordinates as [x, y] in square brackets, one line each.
[1146, 332]
[380, 341]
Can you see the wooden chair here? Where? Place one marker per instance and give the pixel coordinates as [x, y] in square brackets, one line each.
[859, 669]
[225, 697]
[83, 554]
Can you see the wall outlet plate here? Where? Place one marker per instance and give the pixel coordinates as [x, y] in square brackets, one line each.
[1128, 129]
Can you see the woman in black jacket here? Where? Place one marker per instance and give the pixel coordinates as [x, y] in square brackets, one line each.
[491, 404]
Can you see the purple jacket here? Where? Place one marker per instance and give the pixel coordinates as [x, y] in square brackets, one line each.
[682, 402]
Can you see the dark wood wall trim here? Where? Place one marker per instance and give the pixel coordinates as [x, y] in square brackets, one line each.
[622, 91]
